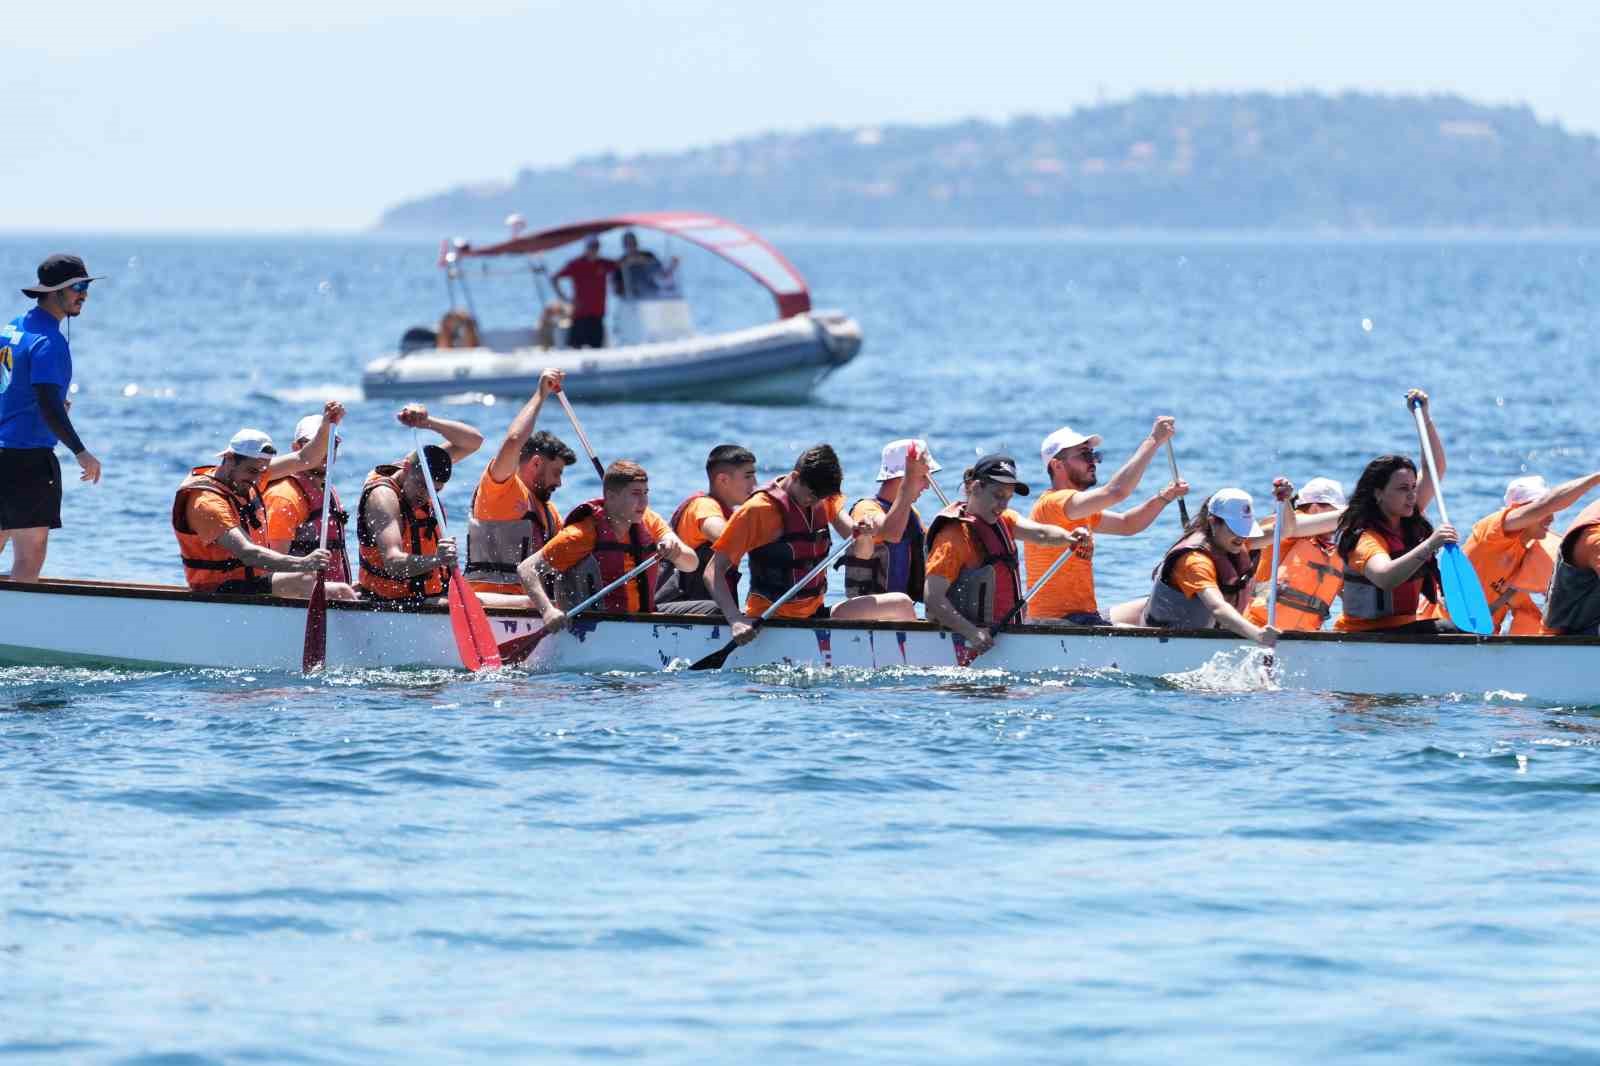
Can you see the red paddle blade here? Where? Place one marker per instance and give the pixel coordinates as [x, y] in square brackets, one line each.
[474, 638]
[515, 651]
[315, 653]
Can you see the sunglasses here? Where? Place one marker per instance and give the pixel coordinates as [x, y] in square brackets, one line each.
[1088, 457]
[79, 286]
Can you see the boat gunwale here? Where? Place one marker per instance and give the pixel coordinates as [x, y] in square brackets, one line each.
[178, 593]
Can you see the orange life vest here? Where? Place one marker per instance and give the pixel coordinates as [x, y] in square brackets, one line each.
[985, 594]
[609, 560]
[1530, 579]
[419, 532]
[207, 567]
[1171, 609]
[308, 534]
[1509, 576]
[1313, 575]
[679, 586]
[804, 542]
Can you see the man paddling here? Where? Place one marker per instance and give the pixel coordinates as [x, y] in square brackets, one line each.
[893, 557]
[1077, 500]
[404, 561]
[783, 528]
[601, 541]
[35, 378]
[699, 520]
[512, 516]
[974, 577]
[294, 505]
[1514, 553]
[219, 519]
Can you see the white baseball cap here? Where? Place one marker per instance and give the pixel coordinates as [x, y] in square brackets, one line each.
[1237, 511]
[1062, 439]
[307, 427]
[1322, 490]
[250, 444]
[894, 458]
[1525, 490]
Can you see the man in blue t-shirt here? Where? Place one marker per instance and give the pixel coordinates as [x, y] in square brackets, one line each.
[35, 376]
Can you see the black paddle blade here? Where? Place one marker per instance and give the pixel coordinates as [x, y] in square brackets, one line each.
[715, 660]
[515, 651]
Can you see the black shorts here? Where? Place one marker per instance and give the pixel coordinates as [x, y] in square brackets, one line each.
[260, 585]
[30, 488]
[587, 333]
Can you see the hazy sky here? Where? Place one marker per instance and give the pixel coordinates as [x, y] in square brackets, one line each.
[179, 115]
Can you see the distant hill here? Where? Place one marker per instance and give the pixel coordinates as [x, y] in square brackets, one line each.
[1225, 161]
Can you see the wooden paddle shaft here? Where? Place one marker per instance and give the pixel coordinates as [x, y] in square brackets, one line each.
[583, 438]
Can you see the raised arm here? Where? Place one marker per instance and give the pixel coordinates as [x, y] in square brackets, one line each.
[315, 451]
[507, 459]
[1127, 523]
[1121, 484]
[461, 440]
[1426, 489]
[1556, 500]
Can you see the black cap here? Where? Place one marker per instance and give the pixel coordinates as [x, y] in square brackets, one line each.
[439, 464]
[57, 272]
[1000, 469]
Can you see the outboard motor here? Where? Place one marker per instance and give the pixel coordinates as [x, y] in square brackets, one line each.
[418, 338]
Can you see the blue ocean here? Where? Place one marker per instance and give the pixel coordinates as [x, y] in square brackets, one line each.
[804, 866]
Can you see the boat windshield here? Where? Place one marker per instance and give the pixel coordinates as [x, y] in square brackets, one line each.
[648, 281]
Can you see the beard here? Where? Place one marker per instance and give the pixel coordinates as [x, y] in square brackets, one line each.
[1087, 481]
[543, 493]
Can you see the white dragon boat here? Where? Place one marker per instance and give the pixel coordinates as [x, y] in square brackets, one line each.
[652, 352]
[71, 622]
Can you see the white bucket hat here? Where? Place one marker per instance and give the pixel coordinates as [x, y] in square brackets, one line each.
[1525, 490]
[1322, 490]
[893, 464]
[1237, 511]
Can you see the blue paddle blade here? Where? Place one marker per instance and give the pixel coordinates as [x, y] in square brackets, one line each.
[1463, 592]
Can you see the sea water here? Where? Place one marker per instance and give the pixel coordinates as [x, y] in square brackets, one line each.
[788, 865]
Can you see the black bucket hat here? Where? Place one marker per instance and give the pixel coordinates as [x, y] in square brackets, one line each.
[57, 272]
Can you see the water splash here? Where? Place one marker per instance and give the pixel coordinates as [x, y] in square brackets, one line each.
[1243, 669]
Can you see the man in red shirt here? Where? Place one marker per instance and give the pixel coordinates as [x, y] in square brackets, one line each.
[588, 273]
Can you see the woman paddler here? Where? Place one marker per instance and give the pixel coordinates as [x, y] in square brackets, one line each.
[1389, 545]
[1205, 579]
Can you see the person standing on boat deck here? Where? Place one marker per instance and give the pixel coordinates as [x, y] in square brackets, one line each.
[1389, 545]
[35, 378]
[1205, 579]
[403, 560]
[894, 557]
[294, 504]
[1514, 552]
[220, 520]
[699, 521]
[974, 570]
[1574, 605]
[1076, 500]
[1310, 571]
[511, 515]
[588, 273]
[783, 528]
[602, 540]
[639, 271]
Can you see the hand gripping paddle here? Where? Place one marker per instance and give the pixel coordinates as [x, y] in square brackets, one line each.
[474, 639]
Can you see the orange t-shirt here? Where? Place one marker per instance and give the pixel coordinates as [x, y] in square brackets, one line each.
[210, 516]
[956, 549]
[504, 501]
[1194, 573]
[575, 543]
[699, 509]
[1369, 547]
[1071, 589]
[286, 509]
[758, 522]
[1496, 555]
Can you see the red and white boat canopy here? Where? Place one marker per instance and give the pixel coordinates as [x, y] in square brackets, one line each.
[739, 246]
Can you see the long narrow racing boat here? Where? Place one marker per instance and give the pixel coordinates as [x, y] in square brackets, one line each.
[160, 626]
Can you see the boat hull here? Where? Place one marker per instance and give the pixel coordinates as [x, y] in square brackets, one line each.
[780, 362]
[105, 623]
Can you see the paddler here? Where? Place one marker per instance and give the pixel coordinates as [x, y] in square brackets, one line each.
[893, 557]
[294, 507]
[784, 529]
[1076, 500]
[404, 561]
[699, 520]
[1574, 605]
[220, 520]
[974, 573]
[1514, 552]
[1389, 545]
[511, 515]
[601, 541]
[1310, 571]
[1205, 579]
